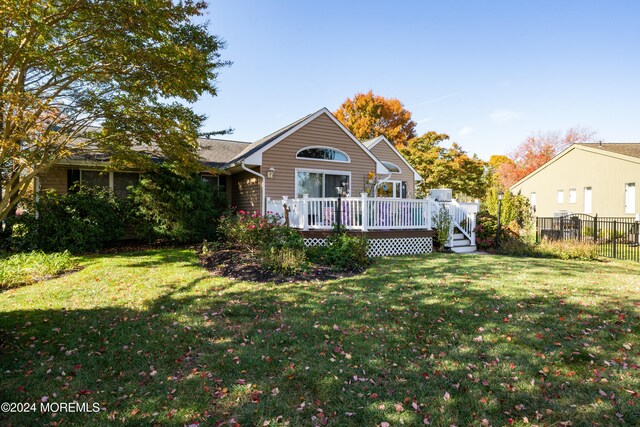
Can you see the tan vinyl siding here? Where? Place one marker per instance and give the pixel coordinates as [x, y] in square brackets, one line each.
[320, 132]
[246, 191]
[54, 179]
[577, 169]
[384, 153]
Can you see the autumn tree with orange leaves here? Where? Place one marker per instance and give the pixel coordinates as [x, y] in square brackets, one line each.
[368, 116]
[535, 151]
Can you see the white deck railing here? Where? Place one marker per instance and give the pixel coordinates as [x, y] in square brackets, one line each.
[365, 213]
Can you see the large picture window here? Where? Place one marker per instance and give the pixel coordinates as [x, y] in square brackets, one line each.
[323, 153]
[321, 183]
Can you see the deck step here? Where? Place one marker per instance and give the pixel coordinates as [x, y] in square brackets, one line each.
[464, 249]
[458, 236]
[460, 243]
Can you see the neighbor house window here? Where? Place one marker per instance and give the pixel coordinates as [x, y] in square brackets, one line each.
[323, 153]
[321, 183]
[630, 198]
[572, 195]
[533, 200]
[588, 200]
[560, 196]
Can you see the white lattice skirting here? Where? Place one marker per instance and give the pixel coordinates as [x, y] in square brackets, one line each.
[385, 247]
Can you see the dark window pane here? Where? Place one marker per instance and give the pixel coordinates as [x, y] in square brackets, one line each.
[392, 168]
[73, 178]
[333, 181]
[95, 178]
[123, 180]
[323, 154]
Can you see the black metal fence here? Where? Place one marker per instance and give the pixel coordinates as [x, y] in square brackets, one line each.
[614, 237]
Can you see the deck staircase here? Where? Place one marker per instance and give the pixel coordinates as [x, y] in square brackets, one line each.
[459, 243]
[462, 237]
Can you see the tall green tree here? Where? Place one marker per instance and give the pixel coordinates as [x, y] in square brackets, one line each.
[127, 66]
[442, 167]
[368, 116]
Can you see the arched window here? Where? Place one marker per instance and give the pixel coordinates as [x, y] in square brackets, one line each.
[393, 168]
[323, 153]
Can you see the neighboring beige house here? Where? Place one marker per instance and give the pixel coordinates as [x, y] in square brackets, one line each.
[599, 178]
[312, 155]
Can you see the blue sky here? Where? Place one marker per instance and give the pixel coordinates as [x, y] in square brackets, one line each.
[487, 73]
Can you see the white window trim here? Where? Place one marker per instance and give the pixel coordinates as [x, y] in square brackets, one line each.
[323, 160]
[533, 199]
[392, 164]
[575, 195]
[560, 197]
[322, 171]
[394, 182]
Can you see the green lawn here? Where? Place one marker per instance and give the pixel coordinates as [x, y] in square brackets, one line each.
[442, 339]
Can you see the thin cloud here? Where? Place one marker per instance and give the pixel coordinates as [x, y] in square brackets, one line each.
[502, 116]
[427, 119]
[465, 131]
[433, 100]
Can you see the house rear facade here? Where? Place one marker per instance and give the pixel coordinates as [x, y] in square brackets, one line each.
[599, 178]
[311, 156]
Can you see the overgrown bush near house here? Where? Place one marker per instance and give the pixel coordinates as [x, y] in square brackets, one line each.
[342, 252]
[283, 250]
[283, 260]
[29, 267]
[486, 227]
[278, 247]
[166, 206]
[84, 220]
[442, 223]
[248, 229]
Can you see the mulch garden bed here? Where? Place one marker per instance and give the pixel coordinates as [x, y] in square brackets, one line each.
[239, 264]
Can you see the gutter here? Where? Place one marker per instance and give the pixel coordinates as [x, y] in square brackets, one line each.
[262, 187]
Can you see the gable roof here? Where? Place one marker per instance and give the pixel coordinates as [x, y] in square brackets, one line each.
[375, 141]
[623, 151]
[252, 154]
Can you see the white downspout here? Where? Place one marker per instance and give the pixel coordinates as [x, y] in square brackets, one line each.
[262, 186]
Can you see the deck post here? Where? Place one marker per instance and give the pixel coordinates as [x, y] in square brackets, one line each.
[428, 207]
[473, 218]
[365, 211]
[305, 212]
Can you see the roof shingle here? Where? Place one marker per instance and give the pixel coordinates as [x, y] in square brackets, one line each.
[627, 149]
